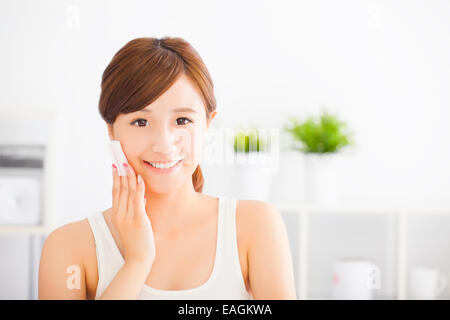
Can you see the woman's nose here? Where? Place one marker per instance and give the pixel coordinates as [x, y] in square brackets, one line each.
[164, 145]
[167, 142]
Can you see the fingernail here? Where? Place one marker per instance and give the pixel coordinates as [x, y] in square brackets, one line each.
[114, 166]
[139, 178]
[125, 165]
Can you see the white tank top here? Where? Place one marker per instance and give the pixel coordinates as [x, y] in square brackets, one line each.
[226, 281]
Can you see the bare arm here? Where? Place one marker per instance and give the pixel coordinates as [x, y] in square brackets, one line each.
[61, 271]
[271, 272]
[128, 282]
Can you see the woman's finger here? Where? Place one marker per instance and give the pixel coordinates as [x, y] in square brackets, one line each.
[139, 200]
[115, 189]
[131, 190]
[123, 197]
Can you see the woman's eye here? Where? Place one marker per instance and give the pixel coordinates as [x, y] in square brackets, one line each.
[143, 121]
[188, 120]
[139, 121]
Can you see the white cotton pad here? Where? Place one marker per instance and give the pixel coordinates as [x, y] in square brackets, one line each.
[118, 156]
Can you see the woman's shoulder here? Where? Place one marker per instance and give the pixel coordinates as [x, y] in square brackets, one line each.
[255, 210]
[68, 230]
[74, 237]
[68, 248]
[254, 217]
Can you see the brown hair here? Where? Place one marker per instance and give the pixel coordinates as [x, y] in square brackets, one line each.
[144, 69]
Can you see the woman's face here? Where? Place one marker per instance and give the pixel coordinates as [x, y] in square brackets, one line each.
[161, 133]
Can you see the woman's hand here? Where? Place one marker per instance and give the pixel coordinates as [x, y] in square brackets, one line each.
[130, 218]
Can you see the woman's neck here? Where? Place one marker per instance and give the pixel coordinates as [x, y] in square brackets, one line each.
[170, 212]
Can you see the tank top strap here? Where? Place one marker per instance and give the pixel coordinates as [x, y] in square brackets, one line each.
[231, 248]
[108, 261]
[100, 231]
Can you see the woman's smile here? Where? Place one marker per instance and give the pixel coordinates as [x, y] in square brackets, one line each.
[163, 169]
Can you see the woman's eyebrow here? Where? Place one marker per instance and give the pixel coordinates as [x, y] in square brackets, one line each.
[176, 110]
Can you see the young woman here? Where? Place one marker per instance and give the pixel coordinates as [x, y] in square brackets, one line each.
[162, 238]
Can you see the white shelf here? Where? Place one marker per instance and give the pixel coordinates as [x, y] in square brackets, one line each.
[401, 214]
[34, 230]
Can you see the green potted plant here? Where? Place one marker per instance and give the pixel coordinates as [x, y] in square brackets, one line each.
[319, 139]
[250, 146]
[249, 140]
[319, 135]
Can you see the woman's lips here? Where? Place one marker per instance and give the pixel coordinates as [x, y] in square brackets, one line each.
[163, 170]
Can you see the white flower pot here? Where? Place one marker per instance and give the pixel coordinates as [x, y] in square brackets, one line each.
[288, 180]
[253, 178]
[322, 178]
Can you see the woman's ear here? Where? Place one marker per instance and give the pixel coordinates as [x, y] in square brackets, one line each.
[211, 116]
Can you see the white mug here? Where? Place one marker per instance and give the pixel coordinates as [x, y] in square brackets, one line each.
[354, 279]
[426, 283]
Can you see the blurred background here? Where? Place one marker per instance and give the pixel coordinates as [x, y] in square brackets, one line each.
[381, 203]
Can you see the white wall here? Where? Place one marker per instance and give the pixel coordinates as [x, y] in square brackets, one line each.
[382, 66]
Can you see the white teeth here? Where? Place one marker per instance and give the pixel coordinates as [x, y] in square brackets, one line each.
[164, 166]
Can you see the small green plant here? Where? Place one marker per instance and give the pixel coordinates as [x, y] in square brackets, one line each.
[323, 135]
[249, 141]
